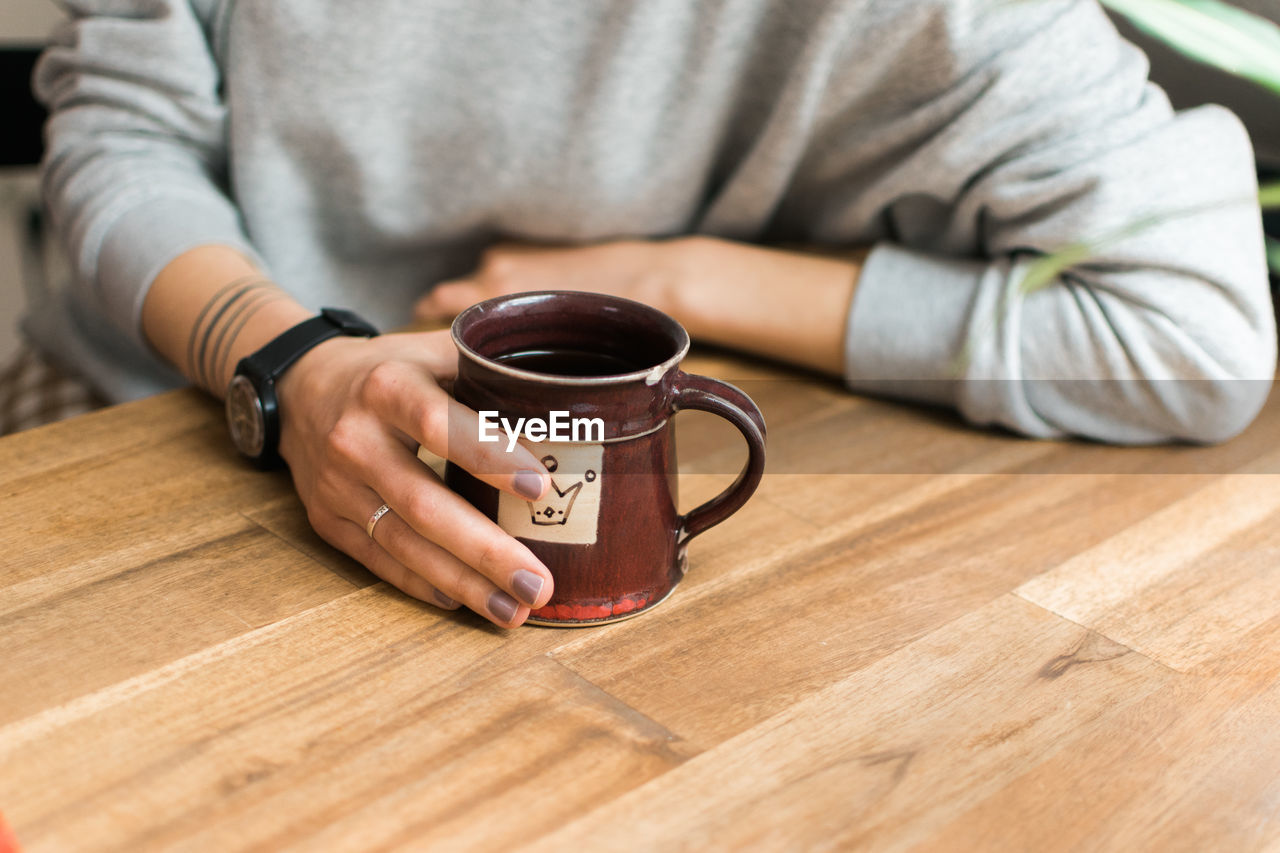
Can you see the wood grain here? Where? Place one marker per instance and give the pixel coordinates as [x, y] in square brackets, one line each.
[916, 636]
[219, 586]
[115, 497]
[287, 518]
[117, 430]
[1193, 766]
[878, 759]
[372, 717]
[1185, 583]
[838, 599]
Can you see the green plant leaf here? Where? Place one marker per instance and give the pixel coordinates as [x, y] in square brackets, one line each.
[1269, 196]
[1212, 32]
[1043, 270]
[1273, 255]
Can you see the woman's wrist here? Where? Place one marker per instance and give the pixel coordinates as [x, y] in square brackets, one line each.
[693, 286]
[785, 304]
[210, 307]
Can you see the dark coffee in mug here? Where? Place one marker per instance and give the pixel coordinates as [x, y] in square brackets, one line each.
[608, 529]
[569, 362]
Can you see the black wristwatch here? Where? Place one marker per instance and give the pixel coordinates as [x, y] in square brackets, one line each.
[253, 413]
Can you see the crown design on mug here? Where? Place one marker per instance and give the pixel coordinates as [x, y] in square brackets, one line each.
[558, 503]
[556, 506]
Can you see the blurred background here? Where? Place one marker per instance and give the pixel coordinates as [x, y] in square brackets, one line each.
[1190, 83]
[24, 25]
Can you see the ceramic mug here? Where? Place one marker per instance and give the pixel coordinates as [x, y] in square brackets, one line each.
[598, 379]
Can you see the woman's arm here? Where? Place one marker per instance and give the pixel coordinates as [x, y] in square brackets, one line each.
[209, 308]
[1002, 132]
[353, 413]
[783, 304]
[1031, 126]
[134, 176]
[135, 169]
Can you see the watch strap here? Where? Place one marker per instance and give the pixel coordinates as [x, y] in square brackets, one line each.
[261, 369]
[269, 362]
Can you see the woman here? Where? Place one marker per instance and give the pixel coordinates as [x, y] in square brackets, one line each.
[222, 169]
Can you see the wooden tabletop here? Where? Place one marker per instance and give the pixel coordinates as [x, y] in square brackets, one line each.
[916, 633]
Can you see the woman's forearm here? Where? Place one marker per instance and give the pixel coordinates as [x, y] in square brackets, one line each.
[784, 304]
[209, 308]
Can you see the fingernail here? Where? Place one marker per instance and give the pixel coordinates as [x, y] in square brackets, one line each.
[502, 606]
[445, 601]
[527, 585]
[529, 483]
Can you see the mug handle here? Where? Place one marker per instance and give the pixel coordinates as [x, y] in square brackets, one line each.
[721, 398]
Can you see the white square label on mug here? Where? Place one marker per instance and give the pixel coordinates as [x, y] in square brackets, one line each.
[570, 510]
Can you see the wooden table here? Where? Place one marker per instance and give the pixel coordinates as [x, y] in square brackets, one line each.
[917, 633]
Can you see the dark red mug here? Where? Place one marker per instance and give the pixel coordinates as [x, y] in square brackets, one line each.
[608, 529]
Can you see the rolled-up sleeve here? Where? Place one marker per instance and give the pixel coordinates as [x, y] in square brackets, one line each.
[135, 164]
[1164, 332]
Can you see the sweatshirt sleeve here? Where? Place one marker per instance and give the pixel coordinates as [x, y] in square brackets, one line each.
[1049, 133]
[135, 163]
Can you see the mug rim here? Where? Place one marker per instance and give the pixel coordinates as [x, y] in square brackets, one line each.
[651, 375]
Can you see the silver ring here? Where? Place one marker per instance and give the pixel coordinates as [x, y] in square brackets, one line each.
[375, 518]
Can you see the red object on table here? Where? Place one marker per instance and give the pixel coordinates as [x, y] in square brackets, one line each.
[8, 841]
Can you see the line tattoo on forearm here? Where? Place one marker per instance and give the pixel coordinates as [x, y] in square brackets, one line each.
[219, 323]
[204, 366]
[227, 337]
[190, 365]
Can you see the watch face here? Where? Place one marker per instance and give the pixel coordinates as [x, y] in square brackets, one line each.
[244, 417]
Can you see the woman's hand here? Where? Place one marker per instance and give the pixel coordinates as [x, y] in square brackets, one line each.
[353, 414]
[788, 305]
[643, 270]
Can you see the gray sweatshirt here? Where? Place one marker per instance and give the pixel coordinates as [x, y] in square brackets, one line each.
[364, 151]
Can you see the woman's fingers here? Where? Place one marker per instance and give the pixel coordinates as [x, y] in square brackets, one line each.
[357, 414]
[348, 537]
[504, 268]
[443, 571]
[397, 555]
[418, 407]
[448, 299]
[422, 502]
[437, 515]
